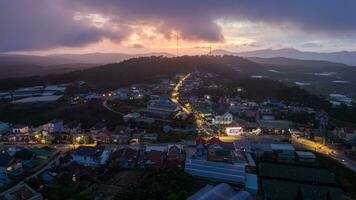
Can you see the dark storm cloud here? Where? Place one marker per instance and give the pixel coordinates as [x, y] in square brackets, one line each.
[41, 24]
[196, 18]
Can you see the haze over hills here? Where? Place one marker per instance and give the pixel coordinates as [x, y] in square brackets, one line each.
[346, 57]
[17, 65]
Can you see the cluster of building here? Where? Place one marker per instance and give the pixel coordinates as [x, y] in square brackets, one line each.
[234, 115]
[33, 94]
[72, 133]
[15, 162]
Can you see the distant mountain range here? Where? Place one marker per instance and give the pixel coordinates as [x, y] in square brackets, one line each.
[17, 65]
[346, 57]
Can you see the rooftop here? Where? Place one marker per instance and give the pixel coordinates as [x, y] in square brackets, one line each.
[220, 191]
[21, 192]
[282, 147]
[228, 173]
[89, 151]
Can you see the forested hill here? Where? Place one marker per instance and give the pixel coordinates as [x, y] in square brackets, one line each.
[136, 70]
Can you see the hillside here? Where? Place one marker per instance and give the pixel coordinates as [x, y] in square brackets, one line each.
[319, 77]
[346, 57]
[126, 72]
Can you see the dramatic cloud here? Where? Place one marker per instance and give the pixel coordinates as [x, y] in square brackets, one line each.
[197, 18]
[43, 24]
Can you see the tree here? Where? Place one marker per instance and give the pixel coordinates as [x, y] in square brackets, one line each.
[299, 194]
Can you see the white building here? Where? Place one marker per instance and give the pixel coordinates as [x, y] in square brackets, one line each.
[162, 107]
[224, 119]
[53, 126]
[91, 156]
[234, 131]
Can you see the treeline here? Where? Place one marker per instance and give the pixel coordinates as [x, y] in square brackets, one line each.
[136, 70]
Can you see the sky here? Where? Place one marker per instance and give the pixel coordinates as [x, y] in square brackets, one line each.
[139, 26]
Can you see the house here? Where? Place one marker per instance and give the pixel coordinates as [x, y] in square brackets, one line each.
[4, 128]
[149, 137]
[137, 134]
[99, 127]
[347, 133]
[272, 102]
[18, 137]
[162, 107]
[251, 127]
[101, 137]
[54, 126]
[91, 156]
[120, 137]
[72, 127]
[125, 157]
[100, 133]
[21, 192]
[249, 115]
[175, 156]
[267, 116]
[9, 165]
[20, 129]
[223, 119]
[26, 156]
[219, 150]
[201, 149]
[204, 110]
[5, 159]
[43, 152]
[153, 158]
[305, 156]
[121, 94]
[222, 115]
[283, 151]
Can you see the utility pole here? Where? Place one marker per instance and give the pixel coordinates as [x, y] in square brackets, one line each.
[177, 44]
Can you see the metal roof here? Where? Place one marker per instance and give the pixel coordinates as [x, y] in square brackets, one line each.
[222, 191]
[222, 172]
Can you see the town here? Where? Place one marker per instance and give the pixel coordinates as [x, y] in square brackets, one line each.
[195, 128]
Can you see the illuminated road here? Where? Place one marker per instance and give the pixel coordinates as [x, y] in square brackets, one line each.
[200, 121]
[328, 151]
